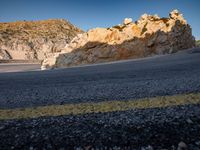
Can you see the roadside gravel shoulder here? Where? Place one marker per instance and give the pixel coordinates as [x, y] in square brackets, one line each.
[161, 128]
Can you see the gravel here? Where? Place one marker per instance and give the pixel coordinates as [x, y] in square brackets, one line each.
[158, 128]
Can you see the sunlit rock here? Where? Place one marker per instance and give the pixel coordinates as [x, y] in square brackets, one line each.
[150, 35]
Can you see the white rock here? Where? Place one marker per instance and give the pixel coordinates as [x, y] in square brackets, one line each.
[127, 20]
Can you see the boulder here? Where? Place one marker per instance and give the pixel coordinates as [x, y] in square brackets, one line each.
[150, 35]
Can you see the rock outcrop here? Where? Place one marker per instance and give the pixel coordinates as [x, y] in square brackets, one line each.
[27, 40]
[150, 35]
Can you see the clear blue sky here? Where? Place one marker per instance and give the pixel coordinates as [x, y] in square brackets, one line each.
[88, 14]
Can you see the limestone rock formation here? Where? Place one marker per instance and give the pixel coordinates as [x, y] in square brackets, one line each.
[150, 35]
[35, 39]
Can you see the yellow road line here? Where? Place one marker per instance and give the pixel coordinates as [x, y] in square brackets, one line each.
[108, 106]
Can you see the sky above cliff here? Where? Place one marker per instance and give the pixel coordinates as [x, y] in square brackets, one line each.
[88, 14]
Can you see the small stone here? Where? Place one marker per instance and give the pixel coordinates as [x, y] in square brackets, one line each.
[46, 137]
[197, 143]
[88, 147]
[32, 136]
[2, 127]
[16, 136]
[147, 148]
[189, 121]
[182, 146]
[173, 147]
[78, 148]
[31, 148]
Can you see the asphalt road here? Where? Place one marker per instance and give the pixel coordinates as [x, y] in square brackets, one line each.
[156, 76]
[162, 128]
[17, 67]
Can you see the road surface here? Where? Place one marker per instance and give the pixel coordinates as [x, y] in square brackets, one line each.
[27, 94]
[166, 75]
[16, 67]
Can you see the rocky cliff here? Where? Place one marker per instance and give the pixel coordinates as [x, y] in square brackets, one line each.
[150, 35]
[27, 40]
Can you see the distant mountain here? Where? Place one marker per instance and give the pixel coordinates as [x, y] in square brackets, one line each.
[28, 40]
[148, 36]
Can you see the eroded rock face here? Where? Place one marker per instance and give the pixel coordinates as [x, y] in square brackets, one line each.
[150, 35]
[35, 39]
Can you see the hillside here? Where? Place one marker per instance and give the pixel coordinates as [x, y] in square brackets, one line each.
[35, 39]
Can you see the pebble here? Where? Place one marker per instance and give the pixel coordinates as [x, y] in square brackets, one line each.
[182, 146]
[31, 148]
[149, 147]
[16, 136]
[197, 143]
[2, 127]
[189, 121]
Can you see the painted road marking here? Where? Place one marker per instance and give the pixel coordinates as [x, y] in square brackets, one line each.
[108, 106]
